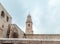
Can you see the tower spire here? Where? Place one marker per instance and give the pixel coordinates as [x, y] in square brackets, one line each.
[29, 25]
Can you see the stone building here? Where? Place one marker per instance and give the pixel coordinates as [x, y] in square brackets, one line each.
[7, 29]
[12, 34]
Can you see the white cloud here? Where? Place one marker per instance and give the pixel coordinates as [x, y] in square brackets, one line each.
[51, 18]
[52, 2]
[35, 13]
[34, 29]
[22, 28]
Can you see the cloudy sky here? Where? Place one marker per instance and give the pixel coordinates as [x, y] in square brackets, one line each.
[45, 14]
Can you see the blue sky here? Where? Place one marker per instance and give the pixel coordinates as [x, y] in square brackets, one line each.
[45, 14]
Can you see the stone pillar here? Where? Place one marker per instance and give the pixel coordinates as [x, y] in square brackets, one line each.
[11, 31]
[1, 33]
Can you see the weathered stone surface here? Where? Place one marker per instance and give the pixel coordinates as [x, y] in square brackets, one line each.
[30, 41]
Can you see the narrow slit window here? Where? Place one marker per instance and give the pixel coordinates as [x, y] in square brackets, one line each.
[7, 19]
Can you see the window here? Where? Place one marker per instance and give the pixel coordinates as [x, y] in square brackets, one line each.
[2, 14]
[7, 18]
[2, 26]
[8, 31]
[29, 25]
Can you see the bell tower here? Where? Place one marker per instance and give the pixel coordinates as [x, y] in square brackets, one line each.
[29, 25]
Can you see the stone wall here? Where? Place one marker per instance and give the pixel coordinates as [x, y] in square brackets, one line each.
[3, 21]
[43, 36]
[19, 31]
[29, 41]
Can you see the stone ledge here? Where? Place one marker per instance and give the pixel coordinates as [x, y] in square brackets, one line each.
[29, 39]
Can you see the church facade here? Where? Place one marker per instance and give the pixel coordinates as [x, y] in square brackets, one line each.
[12, 34]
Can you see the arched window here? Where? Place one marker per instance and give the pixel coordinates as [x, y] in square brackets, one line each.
[2, 13]
[7, 18]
